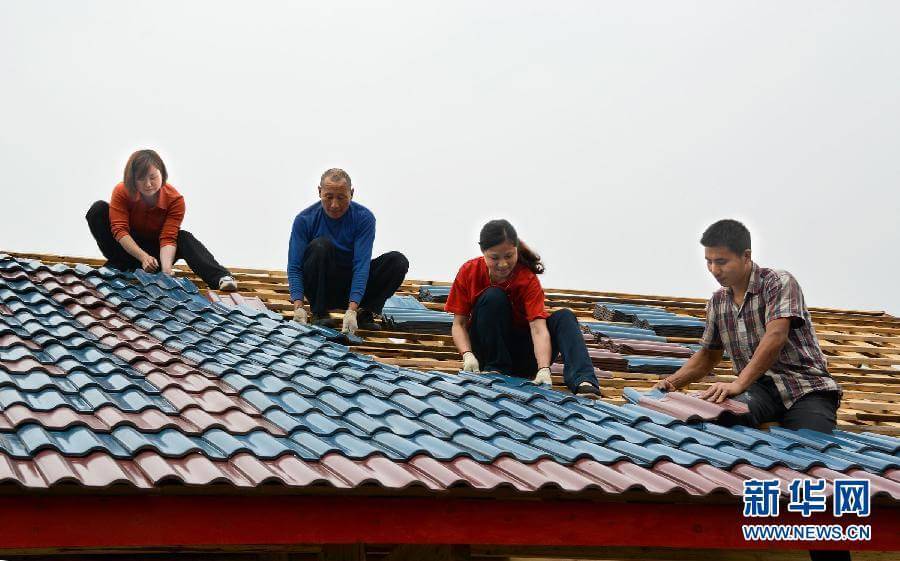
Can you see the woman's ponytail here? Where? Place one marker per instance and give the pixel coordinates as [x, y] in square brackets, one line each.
[498, 231]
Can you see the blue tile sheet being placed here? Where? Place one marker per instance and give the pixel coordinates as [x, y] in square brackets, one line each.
[408, 314]
[137, 379]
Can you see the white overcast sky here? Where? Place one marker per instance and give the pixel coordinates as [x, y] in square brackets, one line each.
[610, 133]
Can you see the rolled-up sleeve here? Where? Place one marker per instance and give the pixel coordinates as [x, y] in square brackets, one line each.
[174, 216]
[119, 222]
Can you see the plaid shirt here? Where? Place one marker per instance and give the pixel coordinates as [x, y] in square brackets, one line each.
[800, 367]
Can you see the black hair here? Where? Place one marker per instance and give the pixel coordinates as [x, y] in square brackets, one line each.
[138, 166]
[498, 231]
[336, 174]
[727, 233]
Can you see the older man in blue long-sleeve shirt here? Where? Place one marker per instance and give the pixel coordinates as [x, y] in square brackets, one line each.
[329, 259]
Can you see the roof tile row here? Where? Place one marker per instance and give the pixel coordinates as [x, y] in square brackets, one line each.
[96, 364]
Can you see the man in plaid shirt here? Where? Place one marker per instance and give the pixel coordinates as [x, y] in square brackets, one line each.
[759, 316]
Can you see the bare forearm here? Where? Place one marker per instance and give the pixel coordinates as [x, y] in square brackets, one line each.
[697, 367]
[765, 356]
[167, 258]
[542, 348]
[461, 338]
[133, 249]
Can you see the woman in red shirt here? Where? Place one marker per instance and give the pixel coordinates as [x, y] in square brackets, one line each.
[500, 323]
[141, 225]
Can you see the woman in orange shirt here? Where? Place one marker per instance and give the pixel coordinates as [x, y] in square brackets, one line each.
[500, 323]
[141, 225]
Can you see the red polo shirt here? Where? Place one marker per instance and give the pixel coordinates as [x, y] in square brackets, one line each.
[522, 288]
[129, 213]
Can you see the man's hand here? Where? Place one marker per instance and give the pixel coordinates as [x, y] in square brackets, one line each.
[300, 315]
[665, 385]
[350, 326]
[470, 363]
[149, 263]
[543, 377]
[720, 391]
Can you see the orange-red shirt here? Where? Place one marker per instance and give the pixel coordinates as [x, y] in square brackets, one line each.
[132, 214]
[522, 288]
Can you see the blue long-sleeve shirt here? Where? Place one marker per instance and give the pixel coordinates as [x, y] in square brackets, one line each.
[352, 234]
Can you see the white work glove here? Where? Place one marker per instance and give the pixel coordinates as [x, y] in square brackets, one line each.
[470, 363]
[543, 377]
[350, 326]
[300, 315]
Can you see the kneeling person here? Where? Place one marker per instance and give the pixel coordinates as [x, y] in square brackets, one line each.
[759, 316]
[330, 259]
[140, 227]
[500, 323]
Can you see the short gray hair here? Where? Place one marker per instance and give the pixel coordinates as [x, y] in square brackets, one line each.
[336, 174]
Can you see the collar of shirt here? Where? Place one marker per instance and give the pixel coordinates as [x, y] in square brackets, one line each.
[753, 287]
[162, 201]
[336, 221]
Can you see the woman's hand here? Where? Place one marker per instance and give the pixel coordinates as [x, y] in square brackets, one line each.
[470, 363]
[543, 377]
[149, 263]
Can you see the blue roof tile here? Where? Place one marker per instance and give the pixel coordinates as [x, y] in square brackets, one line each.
[516, 428]
[400, 425]
[397, 446]
[470, 423]
[721, 457]
[534, 450]
[791, 459]
[706, 438]
[325, 398]
[867, 440]
[595, 431]
[656, 417]
[628, 433]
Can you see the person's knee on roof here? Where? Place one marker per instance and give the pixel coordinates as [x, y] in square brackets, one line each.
[500, 321]
[330, 261]
[776, 356]
[140, 227]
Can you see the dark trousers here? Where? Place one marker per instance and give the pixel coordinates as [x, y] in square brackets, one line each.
[815, 411]
[501, 347]
[189, 248]
[326, 283]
